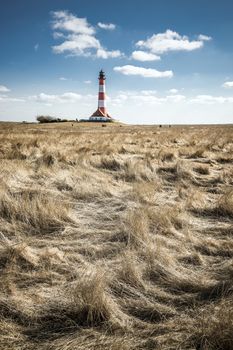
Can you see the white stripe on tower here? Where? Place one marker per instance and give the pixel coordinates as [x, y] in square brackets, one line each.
[102, 104]
[101, 88]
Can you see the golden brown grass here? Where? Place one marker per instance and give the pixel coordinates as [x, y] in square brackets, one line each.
[116, 238]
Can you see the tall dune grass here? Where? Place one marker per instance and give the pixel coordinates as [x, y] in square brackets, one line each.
[115, 238]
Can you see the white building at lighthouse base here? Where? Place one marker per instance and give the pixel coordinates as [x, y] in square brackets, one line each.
[99, 119]
[100, 116]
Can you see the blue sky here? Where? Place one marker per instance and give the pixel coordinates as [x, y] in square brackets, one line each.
[165, 61]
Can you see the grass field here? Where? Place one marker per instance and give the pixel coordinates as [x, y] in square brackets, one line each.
[116, 237]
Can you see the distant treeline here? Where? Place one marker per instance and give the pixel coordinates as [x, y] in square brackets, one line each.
[49, 119]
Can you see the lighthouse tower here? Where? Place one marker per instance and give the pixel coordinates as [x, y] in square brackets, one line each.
[101, 113]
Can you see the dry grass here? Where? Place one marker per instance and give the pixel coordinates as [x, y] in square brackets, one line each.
[116, 238]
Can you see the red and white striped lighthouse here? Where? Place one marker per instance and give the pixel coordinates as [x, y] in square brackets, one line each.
[101, 100]
[101, 112]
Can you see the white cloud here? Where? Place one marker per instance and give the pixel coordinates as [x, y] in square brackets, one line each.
[58, 35]
[63, 78]
[36, 47]
[145, 97]
[148, 92]
[144, 72]
[63, 98]
[78, 37]
[71, 96]
[204, 37]
[173, 91]
[170, 41]
[144, 56]
[175, 98]
[209, 99]
[87, 81]
[149, 97]
[137, 97]
[4, 88]
[109, 26]
[67, 97]
[78, 45]
[102, 53]
[228, 84]
[65, 21]
[4, 98]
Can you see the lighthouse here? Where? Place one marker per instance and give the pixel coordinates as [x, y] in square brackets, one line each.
[101, 113]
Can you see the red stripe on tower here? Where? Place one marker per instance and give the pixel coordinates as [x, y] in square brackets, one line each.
[101, 96]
